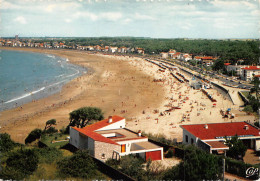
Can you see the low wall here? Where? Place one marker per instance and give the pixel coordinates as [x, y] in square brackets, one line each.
[245, 100]
[225, 90]
[111, 172]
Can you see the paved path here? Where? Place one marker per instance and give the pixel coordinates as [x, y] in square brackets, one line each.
[233, 92]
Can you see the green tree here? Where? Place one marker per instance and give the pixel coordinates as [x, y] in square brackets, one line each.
[79, 165]
[82, 116]
[218, 65]
[49, 124]
[6, 144]
[20, 164]
[237, 149]
[196, 165]
[33, 135]
[248, 109]
[256, 87]
[132, 166]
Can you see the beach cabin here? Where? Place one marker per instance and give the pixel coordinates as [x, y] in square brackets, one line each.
[110, 139]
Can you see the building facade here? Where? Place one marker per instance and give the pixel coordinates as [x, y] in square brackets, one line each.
[249, 72]
[110, 139]
[211, 137]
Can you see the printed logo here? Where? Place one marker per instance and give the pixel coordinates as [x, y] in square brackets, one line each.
[251, 171]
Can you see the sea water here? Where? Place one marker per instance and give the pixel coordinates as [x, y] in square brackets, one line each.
[27, 76]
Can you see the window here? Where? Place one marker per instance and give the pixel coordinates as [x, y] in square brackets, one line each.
[187, 138]
[192, 141]
[103, 156]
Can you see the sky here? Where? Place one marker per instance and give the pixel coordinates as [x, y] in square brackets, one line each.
[212, 19]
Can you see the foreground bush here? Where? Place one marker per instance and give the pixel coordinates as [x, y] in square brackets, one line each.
[6, 144]
[33, 135]
[79, 165]
[48, 155]
[20, 164]
[196, 165]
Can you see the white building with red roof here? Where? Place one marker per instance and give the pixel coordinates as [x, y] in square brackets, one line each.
[110, 139]
[211, 137]
[249, 72]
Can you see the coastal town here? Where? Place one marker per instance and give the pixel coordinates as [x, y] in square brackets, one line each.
[158, 103]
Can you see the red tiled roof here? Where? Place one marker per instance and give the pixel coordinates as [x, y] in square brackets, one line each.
[207, 58]
[220, 130]
[227, 63]
[251, 68]
[90, 130]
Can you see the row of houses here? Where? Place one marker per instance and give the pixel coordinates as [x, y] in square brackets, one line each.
[172, 54]
[55, 44]
[111, 49]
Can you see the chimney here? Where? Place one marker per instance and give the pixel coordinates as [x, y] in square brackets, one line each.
[206, 126]
[246, 127]
[139, 133]
[110, 119]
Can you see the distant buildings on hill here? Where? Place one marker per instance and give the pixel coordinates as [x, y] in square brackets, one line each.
[55, 44]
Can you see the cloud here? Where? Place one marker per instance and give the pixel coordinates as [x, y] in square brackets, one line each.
[108, 16]
[143, 17]
[20, 19]
[111, 16]
[67, 20]
[62, 6]
[185, 25]
[85, 14]
[127, 20]
[50, 7]
[7, 5]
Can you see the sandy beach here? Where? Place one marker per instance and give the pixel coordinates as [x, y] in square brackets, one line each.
[125, 86]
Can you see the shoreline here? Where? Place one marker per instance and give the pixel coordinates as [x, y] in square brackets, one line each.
[57, 106]
[45, 90]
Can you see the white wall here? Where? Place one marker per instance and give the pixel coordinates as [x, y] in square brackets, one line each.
[185, 132]
[117, 125]
[257, 144]
[83, 142]
[74, 137]
[91, 147]
[129, 143]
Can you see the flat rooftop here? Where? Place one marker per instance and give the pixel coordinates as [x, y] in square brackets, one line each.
[146, 145]
[124, 135]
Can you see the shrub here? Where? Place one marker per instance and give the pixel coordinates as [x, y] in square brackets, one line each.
[6, 144]
[197, 165]
[132, 166]
[34, 135]
[169, 154]
[79, 165]
[20, 164]
[48, 155]
[50, 130]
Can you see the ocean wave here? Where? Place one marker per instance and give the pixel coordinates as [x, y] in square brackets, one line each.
[56, 83]
[25, 95]
[51, 56]
[71, 75]
[59, 75]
